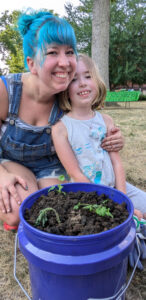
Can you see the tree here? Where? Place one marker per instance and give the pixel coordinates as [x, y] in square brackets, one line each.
[127, 42]
[100, 37]
[11, 42]
[127, 37]
[80, 18]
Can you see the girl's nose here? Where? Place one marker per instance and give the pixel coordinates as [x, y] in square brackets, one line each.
[82, 82]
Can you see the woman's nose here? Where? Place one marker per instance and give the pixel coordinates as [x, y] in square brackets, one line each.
[63, 60]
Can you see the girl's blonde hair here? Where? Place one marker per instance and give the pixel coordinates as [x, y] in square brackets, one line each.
[64, 100]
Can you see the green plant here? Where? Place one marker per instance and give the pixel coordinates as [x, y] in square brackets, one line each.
[51, 188]
[42, 218]
[98, 209]
[59, 186]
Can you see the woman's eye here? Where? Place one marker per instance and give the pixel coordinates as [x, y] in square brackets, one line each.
[51, 53]
[70, 52]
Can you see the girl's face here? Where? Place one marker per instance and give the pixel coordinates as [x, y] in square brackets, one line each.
[58, 68]
[83, 89]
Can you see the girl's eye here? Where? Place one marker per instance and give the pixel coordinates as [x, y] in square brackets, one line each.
[73, 80]
[88, 76]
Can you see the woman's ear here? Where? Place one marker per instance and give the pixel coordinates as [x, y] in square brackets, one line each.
[31, 65]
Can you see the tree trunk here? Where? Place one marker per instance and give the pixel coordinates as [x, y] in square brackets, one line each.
[100, 37]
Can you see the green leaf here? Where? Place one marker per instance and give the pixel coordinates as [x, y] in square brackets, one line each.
[61, 178]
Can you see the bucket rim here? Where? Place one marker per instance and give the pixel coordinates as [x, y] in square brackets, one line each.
[52, 236]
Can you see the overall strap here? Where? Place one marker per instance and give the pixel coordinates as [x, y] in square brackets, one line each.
[56, 114]
[4, 81]
[15, 94]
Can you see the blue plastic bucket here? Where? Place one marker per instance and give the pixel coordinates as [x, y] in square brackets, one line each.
[77, 267]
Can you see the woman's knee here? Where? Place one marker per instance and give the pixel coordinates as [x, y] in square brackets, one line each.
[11, 218]
[23, 172]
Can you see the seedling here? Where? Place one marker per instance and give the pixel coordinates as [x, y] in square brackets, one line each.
[42, 218]
[98, 209]
[51, 188]
[59, 186]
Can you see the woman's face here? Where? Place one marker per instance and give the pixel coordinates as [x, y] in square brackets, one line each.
[58, 68]
[83, 88]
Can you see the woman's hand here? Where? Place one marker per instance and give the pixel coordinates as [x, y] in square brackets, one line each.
[8, 188]
[114, 141]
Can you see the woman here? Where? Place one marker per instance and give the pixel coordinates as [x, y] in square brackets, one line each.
[28, 109]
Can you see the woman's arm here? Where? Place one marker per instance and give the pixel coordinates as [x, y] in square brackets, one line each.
[114, 140]
[65, 153]
[7, 180]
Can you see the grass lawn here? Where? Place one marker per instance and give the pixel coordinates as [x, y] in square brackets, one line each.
[132, 122]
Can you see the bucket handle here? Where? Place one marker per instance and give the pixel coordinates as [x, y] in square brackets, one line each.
[121, 291]
[15, 260]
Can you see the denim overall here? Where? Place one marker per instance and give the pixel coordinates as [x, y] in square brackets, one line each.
[26, 144]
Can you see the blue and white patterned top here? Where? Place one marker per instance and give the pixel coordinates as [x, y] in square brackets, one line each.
[85, 138]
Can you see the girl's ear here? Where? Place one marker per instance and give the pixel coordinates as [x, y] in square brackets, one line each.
[31, 65]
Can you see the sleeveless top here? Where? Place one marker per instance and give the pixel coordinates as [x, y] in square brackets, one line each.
[85, 138]
[26, 144]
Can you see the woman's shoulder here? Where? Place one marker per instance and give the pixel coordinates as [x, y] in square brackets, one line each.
[8, 80]
[4, 100]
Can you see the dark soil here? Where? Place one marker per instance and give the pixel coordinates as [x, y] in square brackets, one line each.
[75, 222]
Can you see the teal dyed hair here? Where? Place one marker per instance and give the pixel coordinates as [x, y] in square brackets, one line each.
[40, 29]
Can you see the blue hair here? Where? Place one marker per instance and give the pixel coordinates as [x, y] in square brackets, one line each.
[42, 28]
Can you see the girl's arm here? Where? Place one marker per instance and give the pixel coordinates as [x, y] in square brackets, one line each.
[119, 171]
[118, 168]
[66, 154]
[116, 161]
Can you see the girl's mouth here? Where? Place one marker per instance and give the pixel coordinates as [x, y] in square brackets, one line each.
[84, 93]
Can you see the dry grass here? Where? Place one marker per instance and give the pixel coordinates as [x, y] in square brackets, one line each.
[133, 125]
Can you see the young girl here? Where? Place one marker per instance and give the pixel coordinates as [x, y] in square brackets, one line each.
[78, 135]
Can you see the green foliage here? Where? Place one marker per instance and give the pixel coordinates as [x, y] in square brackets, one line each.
[42, 218]
[95, 208]
[80, 18]
[61, 178]
[10, 42]
[127, 40]
[60, 187]
[127, 37]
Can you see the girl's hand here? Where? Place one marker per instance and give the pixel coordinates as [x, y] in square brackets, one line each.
[138, 214]
[114, 140]
[8, 188]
